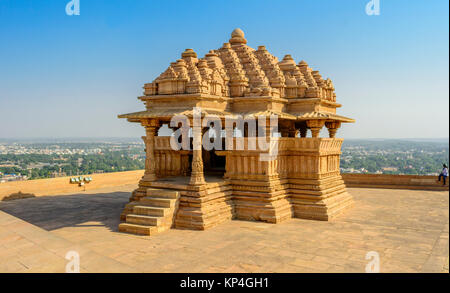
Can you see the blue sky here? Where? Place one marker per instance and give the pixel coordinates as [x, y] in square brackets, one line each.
[69, 76]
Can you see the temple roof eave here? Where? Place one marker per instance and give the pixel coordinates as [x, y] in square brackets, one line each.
[167, 114]
[323, 116]
[314, 101]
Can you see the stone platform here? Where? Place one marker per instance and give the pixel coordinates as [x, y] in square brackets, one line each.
[408, 228]
[220, 199]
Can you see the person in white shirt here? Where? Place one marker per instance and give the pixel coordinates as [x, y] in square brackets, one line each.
[444, 173]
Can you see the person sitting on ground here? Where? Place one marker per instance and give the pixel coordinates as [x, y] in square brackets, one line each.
[444, 173]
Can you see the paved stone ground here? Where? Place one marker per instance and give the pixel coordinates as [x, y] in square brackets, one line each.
[408, 229]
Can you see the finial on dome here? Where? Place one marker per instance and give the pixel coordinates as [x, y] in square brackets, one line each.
[287, 62]
[237, 33]
[211, 53]
[188, 53]
[302, 63]
[262, 48]
[238, 37]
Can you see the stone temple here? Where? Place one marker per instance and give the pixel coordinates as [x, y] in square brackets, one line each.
[195, 188]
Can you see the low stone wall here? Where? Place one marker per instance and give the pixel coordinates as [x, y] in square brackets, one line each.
[61, 185]
[393, 181]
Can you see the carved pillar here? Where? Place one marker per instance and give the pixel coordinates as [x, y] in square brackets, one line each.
[332, 128]
[151, 126]
[332, 132]
[197, 177]
[292, 131]
[245, 134]
[285, 128]
[315, 126]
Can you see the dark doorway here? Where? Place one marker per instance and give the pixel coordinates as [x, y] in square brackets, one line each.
[213, 164]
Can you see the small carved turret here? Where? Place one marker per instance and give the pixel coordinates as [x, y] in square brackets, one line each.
[169, 74]
[188, 53]
[287, 63]
[269, 64]
[313, 90]
[204, 70]
[218, 76]
[151, 89]
[195, 83]
[181, 70]
[292, 72]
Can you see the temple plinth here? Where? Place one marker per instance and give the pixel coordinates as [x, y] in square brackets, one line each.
[256, 171]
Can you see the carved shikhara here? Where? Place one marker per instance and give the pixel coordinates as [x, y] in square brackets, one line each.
[236, 70]
[303, 179]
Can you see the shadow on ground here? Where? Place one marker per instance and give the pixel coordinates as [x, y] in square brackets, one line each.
[54, 212]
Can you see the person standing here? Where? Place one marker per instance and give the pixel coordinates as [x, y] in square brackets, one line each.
[444, 173]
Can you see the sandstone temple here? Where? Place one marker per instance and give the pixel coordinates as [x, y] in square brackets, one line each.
[195, 188]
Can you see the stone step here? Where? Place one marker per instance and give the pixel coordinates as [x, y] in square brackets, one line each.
[150, 214]
[137, 229]
[143, 220]
[131, 205]
[158, 202]
[162, 193]
[150, 211]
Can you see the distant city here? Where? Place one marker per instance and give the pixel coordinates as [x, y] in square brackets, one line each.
[49, 158]
[35, 159]
[408, 157]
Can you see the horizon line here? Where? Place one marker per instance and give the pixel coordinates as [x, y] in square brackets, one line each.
[129, 137]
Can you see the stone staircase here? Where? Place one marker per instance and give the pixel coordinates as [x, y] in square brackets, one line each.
[152, 214]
